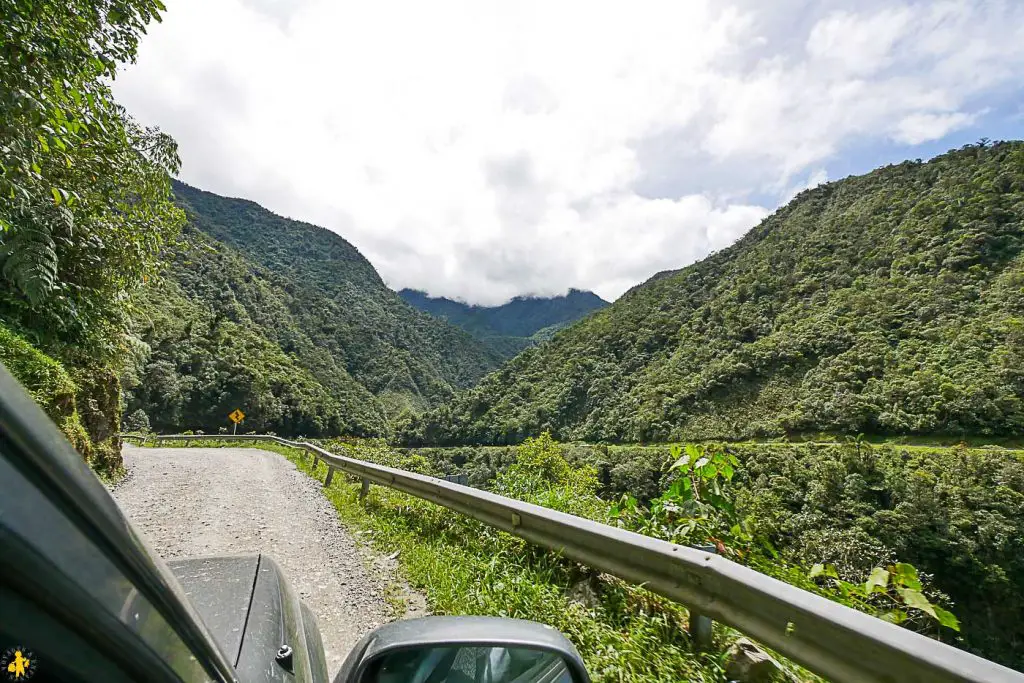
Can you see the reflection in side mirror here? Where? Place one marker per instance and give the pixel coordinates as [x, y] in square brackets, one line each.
[469, 664]
[463, 650]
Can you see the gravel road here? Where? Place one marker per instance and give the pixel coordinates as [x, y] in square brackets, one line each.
[192, 502]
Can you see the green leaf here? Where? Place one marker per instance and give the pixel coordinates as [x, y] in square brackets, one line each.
[877, 582]
[817, 570]
[30, 261]
[946, 618]
[56, 195]
[681, 459]
[726, 471]
[915, 598]
[906, 575]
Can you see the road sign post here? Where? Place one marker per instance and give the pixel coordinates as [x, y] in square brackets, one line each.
[236, 416]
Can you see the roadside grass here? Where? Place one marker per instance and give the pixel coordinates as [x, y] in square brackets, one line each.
[467, 568]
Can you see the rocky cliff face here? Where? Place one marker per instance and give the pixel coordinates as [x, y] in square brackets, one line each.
[99, 409]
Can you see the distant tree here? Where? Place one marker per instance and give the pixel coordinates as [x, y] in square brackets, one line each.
[137, 422]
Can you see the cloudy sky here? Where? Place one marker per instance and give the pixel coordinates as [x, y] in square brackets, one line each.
[481, 150]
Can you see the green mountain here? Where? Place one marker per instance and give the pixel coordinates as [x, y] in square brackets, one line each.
[289, 322]
[512, 326]
[889, 303]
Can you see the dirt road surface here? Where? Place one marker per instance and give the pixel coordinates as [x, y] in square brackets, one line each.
[192, 502]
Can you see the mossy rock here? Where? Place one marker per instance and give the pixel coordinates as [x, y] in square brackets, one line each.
[84, 405]
[45, 378]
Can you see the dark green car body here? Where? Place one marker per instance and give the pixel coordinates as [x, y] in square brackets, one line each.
[82, 592]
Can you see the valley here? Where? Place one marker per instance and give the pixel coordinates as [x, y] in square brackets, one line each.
[822, 322]
[832, 397]
[887, 305]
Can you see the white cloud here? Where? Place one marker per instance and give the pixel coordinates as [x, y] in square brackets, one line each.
[914, 129]
[858, 45]
[482, 149]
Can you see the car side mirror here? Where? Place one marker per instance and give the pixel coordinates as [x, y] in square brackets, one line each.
[463, 650]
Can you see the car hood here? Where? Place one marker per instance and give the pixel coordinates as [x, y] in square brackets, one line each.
[220, 589]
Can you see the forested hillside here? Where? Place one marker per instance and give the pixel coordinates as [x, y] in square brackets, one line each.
[217, 335]
[889, 303]
[289, 322]
[513, 326]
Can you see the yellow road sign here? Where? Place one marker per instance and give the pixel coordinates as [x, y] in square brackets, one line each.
[237, 416]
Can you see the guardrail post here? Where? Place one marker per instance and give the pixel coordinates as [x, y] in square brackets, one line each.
[701, 627]
[330, 476]
[316, 462]
[365, 489]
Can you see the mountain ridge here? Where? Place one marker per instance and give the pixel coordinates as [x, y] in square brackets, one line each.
[883, 303]
[515, 325]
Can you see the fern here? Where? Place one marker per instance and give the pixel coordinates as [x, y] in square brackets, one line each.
[28, 254]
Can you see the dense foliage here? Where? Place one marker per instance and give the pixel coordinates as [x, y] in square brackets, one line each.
[513, 326]
[889, 303]
[955, 513]
[208, 346]
[84, 190]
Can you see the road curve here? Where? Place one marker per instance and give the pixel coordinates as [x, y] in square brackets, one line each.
[215, 501]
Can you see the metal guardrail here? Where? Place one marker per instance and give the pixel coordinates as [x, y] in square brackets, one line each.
[830, 639]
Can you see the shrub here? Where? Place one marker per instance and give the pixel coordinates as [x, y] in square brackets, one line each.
[137, 422]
